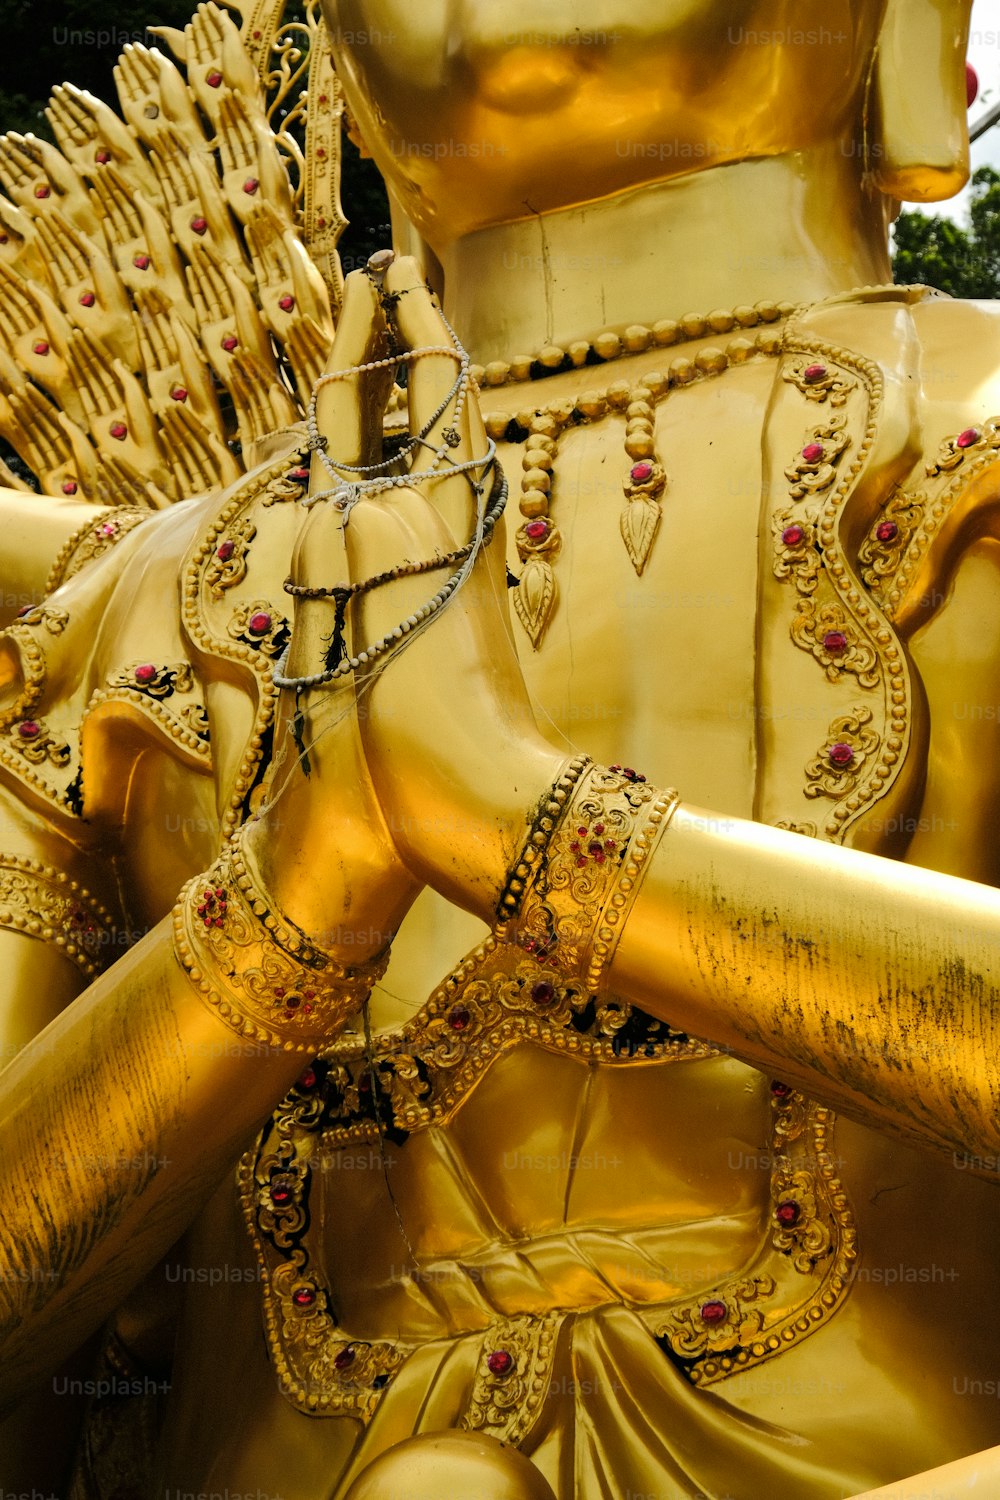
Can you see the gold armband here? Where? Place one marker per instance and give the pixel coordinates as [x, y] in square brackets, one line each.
[260, 972]
[570, 891]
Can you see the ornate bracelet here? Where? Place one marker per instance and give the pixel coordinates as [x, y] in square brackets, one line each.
[571, 888]
[264, 977]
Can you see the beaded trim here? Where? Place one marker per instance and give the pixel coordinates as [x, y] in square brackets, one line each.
[811, 1234]
[553, 359]
[44, 903]
[92, 540]
[262, 975]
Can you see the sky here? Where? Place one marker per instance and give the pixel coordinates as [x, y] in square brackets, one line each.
[984, 55]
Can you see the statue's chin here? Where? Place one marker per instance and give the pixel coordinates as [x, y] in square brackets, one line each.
[525, 81]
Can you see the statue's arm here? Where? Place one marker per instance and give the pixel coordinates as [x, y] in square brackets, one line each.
[117, 1123]
[33, 529]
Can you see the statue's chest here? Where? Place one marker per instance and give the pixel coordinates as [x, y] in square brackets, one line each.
[658, 663]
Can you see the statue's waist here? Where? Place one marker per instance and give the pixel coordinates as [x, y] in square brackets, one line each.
[413, 1298]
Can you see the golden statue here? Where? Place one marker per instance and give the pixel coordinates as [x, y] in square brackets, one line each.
[553, 1199]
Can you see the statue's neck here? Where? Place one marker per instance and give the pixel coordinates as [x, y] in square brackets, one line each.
[793, 228]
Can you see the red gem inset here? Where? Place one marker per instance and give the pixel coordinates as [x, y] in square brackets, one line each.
[69, 486]
[145, 673]
[812, 374]
[102, 157]
[281, 1194]
[788, 1213]
[87, 299]
[968, 437]
[536, 530]
[141, 261]
[812, 452]
[835, 641]
[229, 343]
[107, 528]
[780, 1090]
[43, 190]
[287, 302]
[300, 474]
[304, 1296]
[459, 1018]
[500, 1362]
[29, 729]
[641, 472]
[713, 1313]
[250, 186]
[199, 225]
[225, 550]
[213, 79]
[40, 348]
[887, 531]
[792, 536]
[840, 755]
[345, 1359]
[259, 624]
[543, 993]
[118, 430]
[307, 1079]
[179, 394]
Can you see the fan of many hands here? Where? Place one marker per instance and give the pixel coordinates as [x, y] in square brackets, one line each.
[159, 314]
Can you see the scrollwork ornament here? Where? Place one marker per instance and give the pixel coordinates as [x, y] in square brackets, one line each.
[971, 442]
[849, 744]
[825, 631]
[818, 380]
[815, 467]
[512, 1377]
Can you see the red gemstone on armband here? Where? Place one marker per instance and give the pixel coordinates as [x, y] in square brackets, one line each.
[225, 550]
[835, 641]
[145, 673]
[812, 452]
[107, 528]
[345, 1359]
[29, 729]
[887, 531]
[118, 430]
[179, 394]
[141, 261]
[459, 1018]
[536, 530]
[43, 190]
[213, 79]
[500, 1362]
[307, 1079]
[780, 1090]
[199, 225]
[968, 437]
[259, 624]
[840, 755]
[814, 373]
[40, 348]
[250, 186]
[713, 1313]
[229, 343]
[543, 993]
[281, 1194]
[640, 472]
[87, 299]
[69, 486]
[792, 536]
[788, 1214]
[304, 1296]
[300, 474]
[287, 302]
[102, 157]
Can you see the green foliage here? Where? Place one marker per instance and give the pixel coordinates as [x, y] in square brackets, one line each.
[962, 261]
